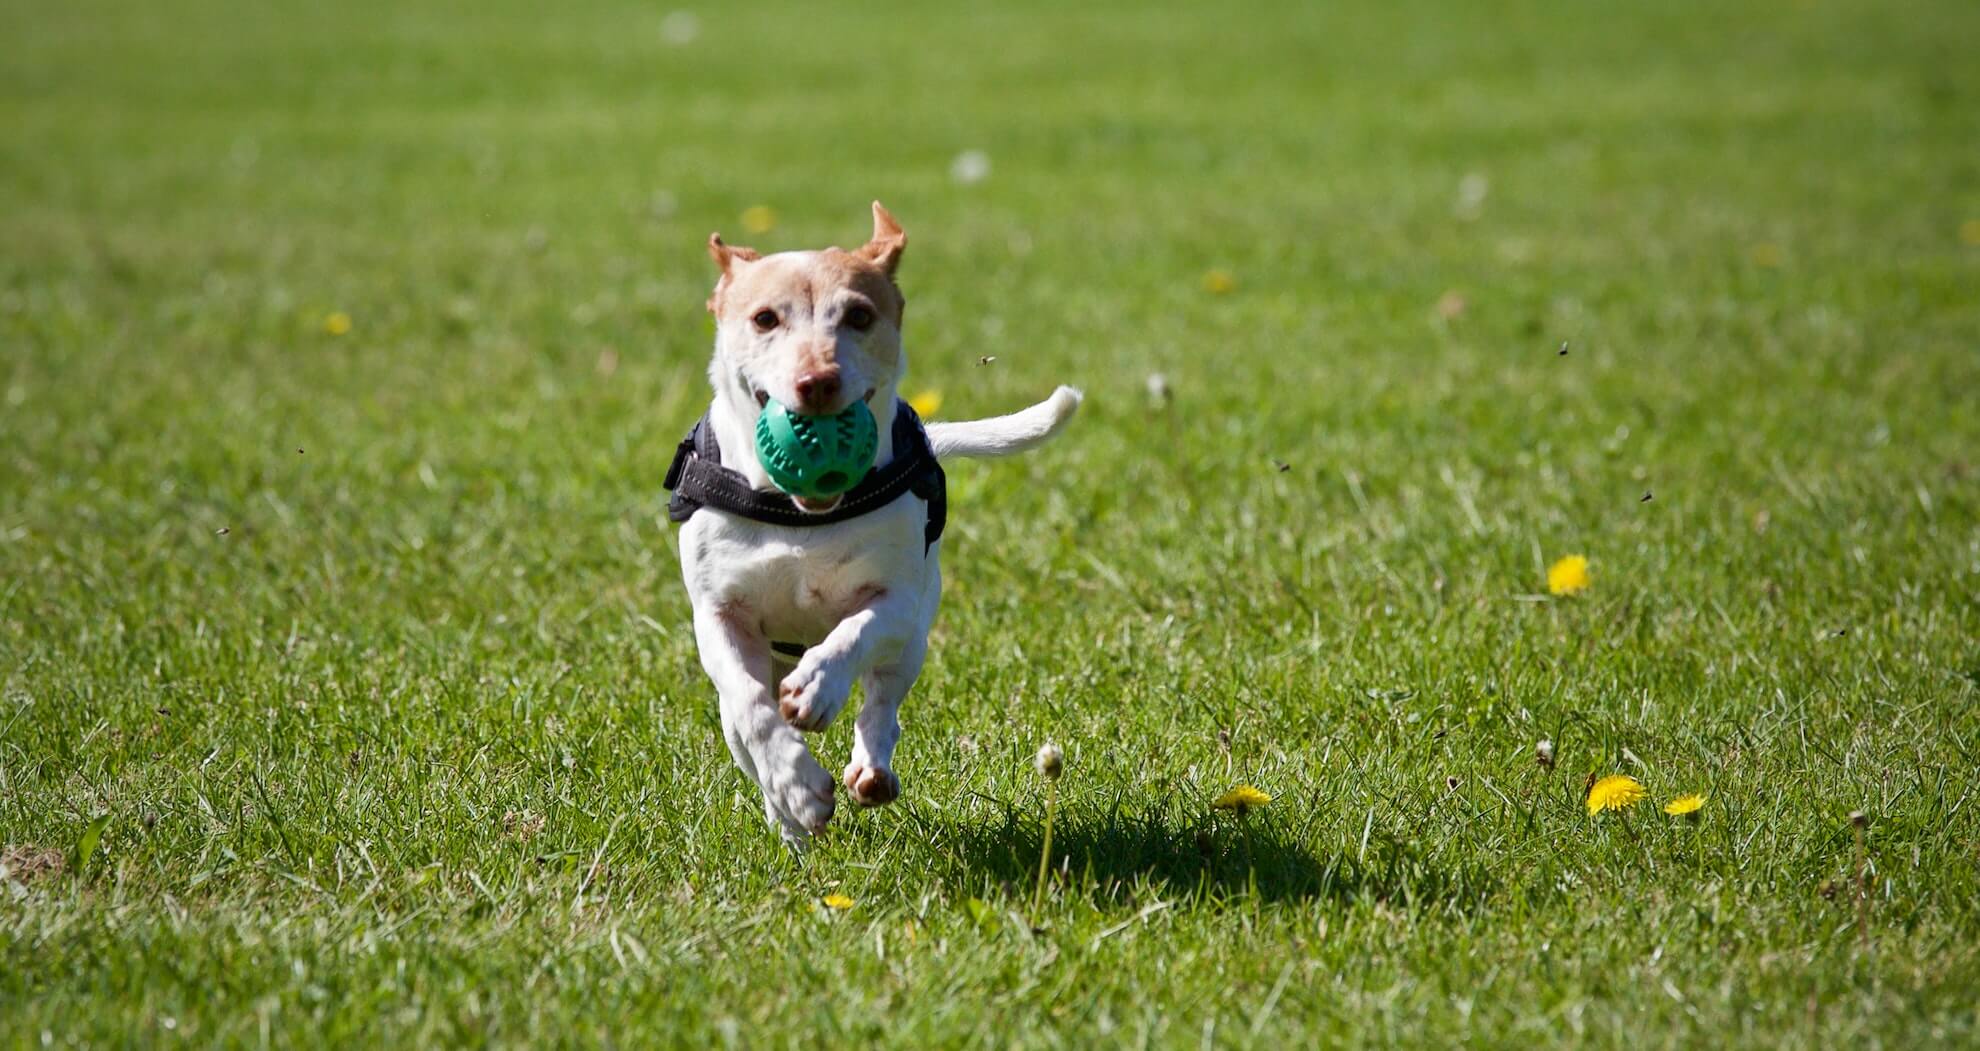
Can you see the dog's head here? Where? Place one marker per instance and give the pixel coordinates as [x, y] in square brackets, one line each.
[814, 330]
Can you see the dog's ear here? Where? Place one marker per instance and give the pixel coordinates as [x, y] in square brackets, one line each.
[726, 257]
[884, 250]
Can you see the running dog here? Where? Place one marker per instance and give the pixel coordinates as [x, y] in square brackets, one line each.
[795, 600]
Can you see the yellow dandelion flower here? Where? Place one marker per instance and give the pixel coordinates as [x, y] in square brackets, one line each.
[759, 218]
[337, 323]
[838, 902]
[1768, 255]
[1218, 282]
[1969, 231]
[926, 403]
[1614, 792]
[1685, 806]
[1567, 576]
[1240, 799]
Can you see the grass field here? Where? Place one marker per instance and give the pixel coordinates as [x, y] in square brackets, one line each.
[347, 692]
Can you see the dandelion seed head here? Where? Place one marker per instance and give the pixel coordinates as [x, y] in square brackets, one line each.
[1471, 194]
[1051, 762]
[680, 28]
[970, 167]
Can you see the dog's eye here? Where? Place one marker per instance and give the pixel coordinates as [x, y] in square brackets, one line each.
[765, 320]
[859, 317]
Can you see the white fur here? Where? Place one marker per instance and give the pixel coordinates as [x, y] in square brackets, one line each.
[752, 583]
[1003, 435]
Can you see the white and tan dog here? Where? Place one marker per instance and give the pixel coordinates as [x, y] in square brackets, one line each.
[816, 330]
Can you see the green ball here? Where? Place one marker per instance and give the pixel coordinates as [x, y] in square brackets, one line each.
[816, 456]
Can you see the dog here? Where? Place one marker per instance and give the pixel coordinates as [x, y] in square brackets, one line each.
[795, 600]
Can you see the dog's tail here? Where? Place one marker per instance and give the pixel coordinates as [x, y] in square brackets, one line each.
[1003, 435]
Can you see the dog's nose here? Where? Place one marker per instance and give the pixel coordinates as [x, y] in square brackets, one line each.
[816, 391]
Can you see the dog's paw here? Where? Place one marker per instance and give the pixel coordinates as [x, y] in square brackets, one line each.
[812, 696]
[872, 785]
[801, 799]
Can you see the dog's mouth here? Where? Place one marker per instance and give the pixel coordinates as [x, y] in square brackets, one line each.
[816, 507]
[763, 396]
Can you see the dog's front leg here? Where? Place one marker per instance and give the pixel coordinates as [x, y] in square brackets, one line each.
[870, 774]
[797, 792]
[813, 694]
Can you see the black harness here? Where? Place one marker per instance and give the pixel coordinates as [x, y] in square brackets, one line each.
[698, 479]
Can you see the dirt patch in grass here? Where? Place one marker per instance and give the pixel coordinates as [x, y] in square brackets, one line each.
[25, 862]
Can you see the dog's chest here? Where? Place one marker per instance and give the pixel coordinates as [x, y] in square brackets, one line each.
[796, 584]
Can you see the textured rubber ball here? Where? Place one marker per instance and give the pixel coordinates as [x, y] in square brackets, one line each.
[816, 456]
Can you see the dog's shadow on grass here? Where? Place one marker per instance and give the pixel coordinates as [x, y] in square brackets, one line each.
[1121, 855]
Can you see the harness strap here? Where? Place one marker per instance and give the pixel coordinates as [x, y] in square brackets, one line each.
[698, 479]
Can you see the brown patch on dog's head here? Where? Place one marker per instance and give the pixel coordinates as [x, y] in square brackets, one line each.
[836, 266]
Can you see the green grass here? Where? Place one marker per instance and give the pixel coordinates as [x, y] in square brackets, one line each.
[323, 625]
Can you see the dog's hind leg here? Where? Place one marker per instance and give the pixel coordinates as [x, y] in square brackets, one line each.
[797, 792]
[870, 774]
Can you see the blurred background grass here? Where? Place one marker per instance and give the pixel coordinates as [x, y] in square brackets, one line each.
[309, 613]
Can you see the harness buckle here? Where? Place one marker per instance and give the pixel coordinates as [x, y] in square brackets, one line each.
[679, 466]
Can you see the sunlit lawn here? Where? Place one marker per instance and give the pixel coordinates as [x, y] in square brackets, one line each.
[343, 348]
